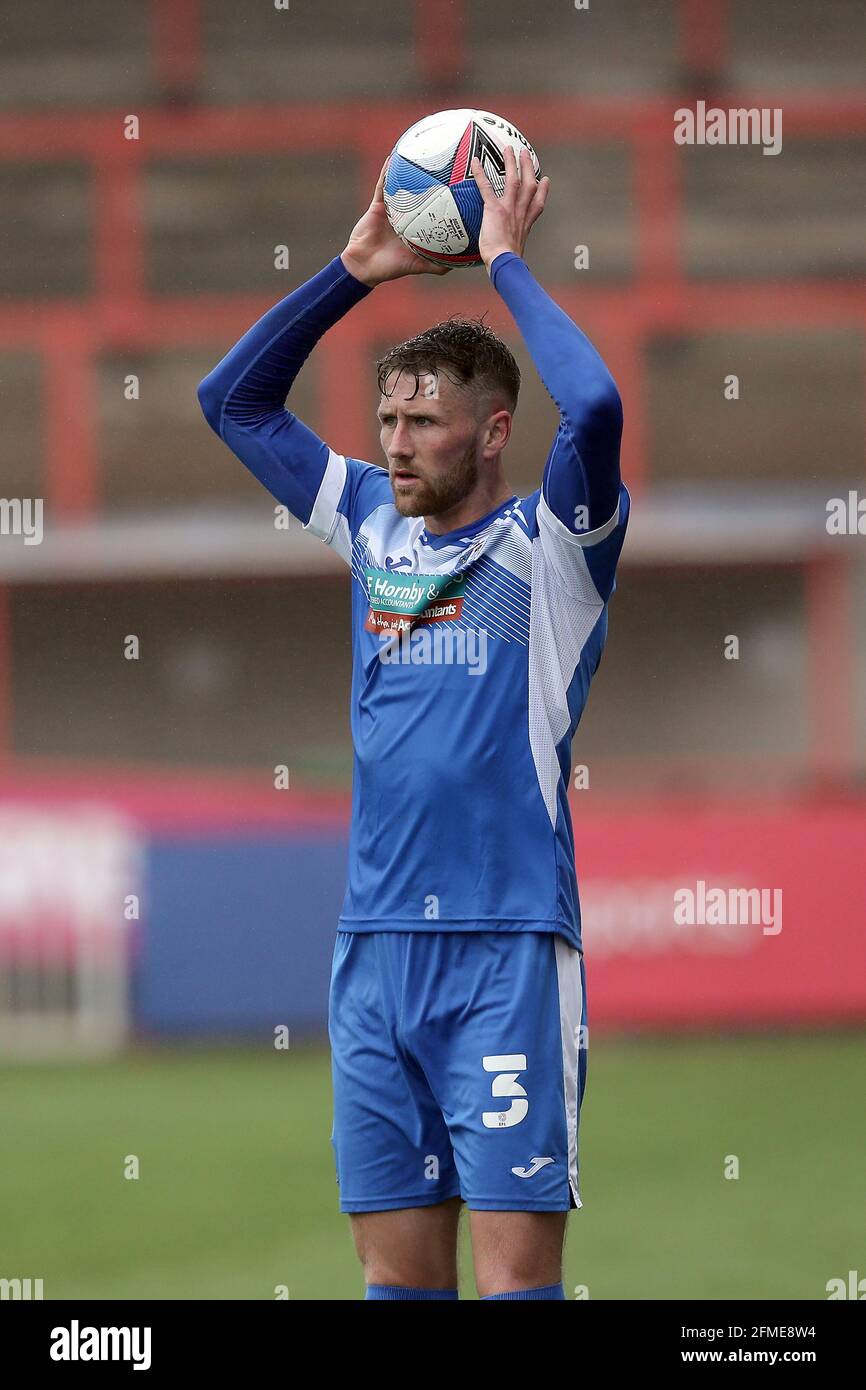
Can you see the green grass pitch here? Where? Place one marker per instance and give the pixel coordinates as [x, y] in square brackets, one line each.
[237, 1194]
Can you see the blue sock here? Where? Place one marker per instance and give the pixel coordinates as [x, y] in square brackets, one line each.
[549, 1291]
[395, 1291]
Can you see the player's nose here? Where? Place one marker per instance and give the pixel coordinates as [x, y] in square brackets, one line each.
[401, 444]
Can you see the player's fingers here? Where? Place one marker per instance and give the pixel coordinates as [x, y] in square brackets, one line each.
[481, 179]
[539, 197]
[512, 173]
[379, 195]
[528, 181]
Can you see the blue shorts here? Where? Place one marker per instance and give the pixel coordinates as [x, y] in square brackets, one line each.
[459, 1066]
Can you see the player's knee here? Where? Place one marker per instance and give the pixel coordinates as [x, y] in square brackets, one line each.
[415, 1248]
[416, 1269]
[509, 1276]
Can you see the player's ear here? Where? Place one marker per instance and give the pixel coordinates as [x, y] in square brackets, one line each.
[499, 428]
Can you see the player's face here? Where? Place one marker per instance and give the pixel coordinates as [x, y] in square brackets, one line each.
[431, 442]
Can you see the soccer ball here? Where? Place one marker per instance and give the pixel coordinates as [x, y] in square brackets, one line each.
[433, 202]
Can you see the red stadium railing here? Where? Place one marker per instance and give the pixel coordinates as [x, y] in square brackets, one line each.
[121, 312]
[68, 335]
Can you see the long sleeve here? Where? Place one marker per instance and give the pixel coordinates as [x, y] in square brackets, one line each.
[243, 397]
[582, 470]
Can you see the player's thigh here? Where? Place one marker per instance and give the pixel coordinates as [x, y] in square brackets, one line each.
[390, 1141]
[514, 1250]
[502, 1051]
[415, 1247]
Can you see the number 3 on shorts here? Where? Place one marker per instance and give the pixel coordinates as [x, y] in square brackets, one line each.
[505, 1083]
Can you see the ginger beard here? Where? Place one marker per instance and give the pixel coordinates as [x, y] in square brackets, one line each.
[423, 496]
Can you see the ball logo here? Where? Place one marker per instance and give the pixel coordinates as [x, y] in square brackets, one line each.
[505, 1084]
[491, 156]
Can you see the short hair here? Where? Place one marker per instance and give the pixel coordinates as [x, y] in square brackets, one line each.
[466, 349]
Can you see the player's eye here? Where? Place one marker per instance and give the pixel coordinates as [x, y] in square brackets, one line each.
[416, 419]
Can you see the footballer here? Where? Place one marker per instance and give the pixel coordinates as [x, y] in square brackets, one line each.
[457, 1009]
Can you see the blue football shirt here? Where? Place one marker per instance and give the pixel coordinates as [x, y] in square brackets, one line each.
[473, 652]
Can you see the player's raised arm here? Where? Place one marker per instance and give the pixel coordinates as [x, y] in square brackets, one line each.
[243, 398]
[582, 478]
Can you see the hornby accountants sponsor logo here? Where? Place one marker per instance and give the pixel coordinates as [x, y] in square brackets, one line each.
[399, 602]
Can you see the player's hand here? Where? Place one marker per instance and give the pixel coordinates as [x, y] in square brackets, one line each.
[507, 220]
[374, 252]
